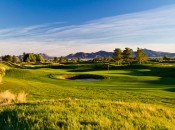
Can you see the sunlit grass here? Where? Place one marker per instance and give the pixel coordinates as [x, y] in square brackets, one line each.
[8, 97]
[86, 114]
[140, 98]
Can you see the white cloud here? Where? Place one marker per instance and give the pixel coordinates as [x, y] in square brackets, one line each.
[152, 29]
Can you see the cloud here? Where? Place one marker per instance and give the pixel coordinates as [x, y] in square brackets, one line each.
[153, 29]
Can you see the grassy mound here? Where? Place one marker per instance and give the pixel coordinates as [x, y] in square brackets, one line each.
[86, 114]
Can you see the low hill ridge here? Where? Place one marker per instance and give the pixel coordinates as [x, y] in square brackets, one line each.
[150, 53]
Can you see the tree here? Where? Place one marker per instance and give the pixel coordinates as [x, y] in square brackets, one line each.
[74, 60]
[14, 59]
[55, 59]
[62, 59]
[78, 59]
[39, 58]
[104, 59]
[141, 56]
[166, 58]
[20, 58]
[29, 57]
[97, 59]
[127, 55]
[109, 59]
[159, 59]
[117, 56]
[7, 58]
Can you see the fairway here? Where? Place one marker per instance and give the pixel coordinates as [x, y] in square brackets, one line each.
[149, 85]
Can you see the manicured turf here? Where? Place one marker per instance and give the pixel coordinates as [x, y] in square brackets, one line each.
[150, 84]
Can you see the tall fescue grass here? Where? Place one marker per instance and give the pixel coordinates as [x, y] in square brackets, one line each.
[2, 73]
[71, 114]
[21, 97]
[8, 97]
[2, 70]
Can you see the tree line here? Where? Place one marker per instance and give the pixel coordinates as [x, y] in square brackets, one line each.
[32, 58]
[119, 56]
[126, 55]
[26, 57]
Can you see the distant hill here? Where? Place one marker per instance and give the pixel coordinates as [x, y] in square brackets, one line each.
[90, 55]
[150, 53]
[45, 56]
[83, 55]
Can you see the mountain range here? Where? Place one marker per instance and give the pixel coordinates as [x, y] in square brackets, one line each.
[83, 55]
[150, 53]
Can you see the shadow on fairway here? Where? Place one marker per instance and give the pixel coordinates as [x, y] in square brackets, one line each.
[166, 75]
[170, 89]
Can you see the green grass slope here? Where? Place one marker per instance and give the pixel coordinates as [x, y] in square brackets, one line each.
[86, 114]
[129, 97]
[139, 85]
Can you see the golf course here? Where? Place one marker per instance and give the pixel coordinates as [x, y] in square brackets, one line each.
[89, 96]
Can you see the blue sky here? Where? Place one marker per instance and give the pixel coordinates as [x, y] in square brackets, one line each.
[60, 27]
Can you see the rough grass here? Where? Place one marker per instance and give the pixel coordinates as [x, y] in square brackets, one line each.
[86, 114]
[2, 72]
[21, 97]
[8, 97]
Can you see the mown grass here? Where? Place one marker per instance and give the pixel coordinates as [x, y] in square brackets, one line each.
[86, 114]
[140, 85]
